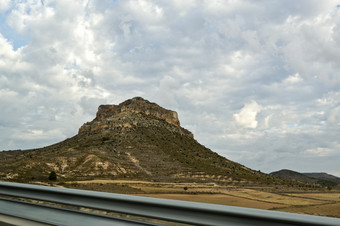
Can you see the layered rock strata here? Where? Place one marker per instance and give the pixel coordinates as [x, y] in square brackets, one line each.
[135, 112]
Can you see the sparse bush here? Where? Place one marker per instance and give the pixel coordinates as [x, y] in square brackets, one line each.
[52, 176]
[105, 139]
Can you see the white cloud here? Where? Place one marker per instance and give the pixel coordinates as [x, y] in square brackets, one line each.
[166, 91]
[6, 50]
[4, 5]
[267, 121]
[247, 115]
[293, 79]
[334, 116]
[320, 152]
[146, 10]
[201, 58]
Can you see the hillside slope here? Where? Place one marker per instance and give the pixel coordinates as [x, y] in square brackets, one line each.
[133, 140]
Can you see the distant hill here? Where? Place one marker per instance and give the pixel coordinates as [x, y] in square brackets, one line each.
[135, 140]
[292, 175]
[322, 176]
[323, 179]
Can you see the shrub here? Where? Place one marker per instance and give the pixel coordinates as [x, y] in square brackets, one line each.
[105, 139]
[52, 176]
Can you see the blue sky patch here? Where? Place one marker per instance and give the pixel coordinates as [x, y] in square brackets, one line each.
[11, 35]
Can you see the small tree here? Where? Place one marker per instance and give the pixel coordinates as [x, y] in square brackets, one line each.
[52, 176]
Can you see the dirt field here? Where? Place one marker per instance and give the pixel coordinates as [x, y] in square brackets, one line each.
[219, 199]
[307, 202]
[330, 210]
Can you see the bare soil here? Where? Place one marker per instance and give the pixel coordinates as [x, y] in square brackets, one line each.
[308, 202]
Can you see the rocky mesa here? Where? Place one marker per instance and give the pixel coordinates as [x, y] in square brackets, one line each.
[130, 114]
[135, 140]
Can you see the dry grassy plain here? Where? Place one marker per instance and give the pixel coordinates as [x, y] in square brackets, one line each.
[308, 202]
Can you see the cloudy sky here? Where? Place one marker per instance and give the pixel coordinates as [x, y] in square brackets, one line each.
[256, 81]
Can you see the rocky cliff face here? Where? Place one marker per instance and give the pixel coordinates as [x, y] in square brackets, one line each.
[135, 112]
[138, 105]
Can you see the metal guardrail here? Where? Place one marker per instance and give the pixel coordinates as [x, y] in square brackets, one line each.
[162, 209]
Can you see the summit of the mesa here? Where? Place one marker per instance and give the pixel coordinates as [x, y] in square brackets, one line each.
[138, 105]
[135, 112]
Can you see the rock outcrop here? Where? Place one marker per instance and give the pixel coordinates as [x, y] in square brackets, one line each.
[133, 113]
[138, 105]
